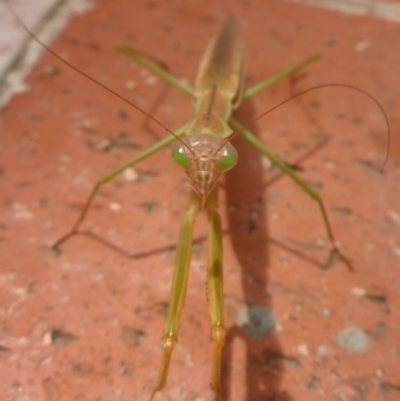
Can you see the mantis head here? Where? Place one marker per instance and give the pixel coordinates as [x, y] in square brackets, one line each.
[204, 157]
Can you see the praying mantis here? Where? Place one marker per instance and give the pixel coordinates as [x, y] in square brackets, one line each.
[204, 152]
[206, 196]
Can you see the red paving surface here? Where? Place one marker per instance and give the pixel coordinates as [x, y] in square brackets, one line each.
[87, 325]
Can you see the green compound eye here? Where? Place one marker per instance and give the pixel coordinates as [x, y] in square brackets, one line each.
[180, 156]
[228, 159]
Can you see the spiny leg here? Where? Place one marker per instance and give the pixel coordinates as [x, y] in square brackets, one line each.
[310, 191]
[148, 152]
[215, 288]
[178, 289]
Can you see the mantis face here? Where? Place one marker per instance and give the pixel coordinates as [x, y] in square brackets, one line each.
[204, 158]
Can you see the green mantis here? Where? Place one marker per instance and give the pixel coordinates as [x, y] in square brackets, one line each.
[204, 152]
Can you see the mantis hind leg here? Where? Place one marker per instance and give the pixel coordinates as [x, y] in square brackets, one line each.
[335, 251]
[144, 61]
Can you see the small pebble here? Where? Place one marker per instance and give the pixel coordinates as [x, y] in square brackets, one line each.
[151, 80]
[257, 321]
[359, 291]
[115, 207]
[129, 84]
[353, 339]
[130, 175]
[362, 46]
[345, 392]
[303, 350]
[323, 351]
[21, 212]
[326, 312]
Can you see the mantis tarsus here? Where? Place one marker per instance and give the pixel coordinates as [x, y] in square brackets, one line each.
[206, 197]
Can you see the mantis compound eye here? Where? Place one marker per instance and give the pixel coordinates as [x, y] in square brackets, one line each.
[228, 159]
[180, 156]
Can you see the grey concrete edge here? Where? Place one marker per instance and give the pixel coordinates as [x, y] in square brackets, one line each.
[385, 10]
[49, 26]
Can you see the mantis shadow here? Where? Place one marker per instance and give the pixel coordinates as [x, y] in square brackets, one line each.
[264, 358]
